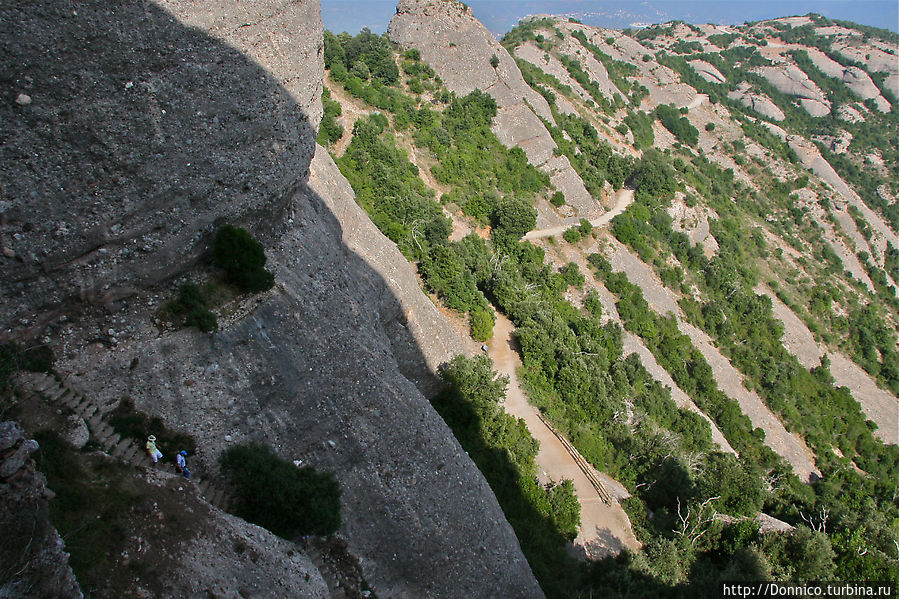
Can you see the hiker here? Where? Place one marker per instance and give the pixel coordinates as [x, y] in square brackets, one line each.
[181, 462]
[155, 454]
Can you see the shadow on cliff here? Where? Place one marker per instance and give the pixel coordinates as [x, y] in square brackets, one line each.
[128, 138]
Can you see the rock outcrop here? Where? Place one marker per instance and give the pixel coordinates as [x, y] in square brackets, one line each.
[858, 81]
[315, 370]
[151, 124]
[134, 142]
[460, 48]
[33, 560]
[793, 81]
[757, 102]
[708, 71]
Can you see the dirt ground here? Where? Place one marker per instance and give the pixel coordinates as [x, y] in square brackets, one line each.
[605, 528]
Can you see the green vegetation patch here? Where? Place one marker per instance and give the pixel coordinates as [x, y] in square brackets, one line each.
[242, 258]
[133, 424]
[191, 306]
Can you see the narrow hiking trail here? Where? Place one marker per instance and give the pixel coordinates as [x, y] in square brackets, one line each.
[623, 198]
[605, 528]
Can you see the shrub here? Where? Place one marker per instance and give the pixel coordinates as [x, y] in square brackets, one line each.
[192, 305]
[572, 235]
[130, 423]
[710, 127]
[242, 258]
[558, 199]
[276, 495]
[482, 321]
[494, 61]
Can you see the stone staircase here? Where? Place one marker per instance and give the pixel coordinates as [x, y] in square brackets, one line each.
[50, 389]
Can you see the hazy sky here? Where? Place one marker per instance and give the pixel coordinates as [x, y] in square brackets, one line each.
[501, 15]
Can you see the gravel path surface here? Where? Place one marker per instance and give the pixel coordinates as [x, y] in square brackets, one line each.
[605, 528]
[623, 199]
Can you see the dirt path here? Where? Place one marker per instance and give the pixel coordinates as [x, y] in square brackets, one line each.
[623, 199]
[351, 110]
[605, 528]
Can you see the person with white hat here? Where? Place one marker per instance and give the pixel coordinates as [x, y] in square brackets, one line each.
[155, 454]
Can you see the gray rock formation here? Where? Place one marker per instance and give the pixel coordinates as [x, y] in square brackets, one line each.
[134, 142]
[757, 102]
[149, 126]
[707, 71]
[33, 562]
[793, 81]
[459, 48]
[313, 370]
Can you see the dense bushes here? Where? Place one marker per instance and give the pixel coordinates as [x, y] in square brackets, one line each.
[365, 53]
[242, 258]
[191, 306]
[329, 131]
[671, 119]
[543, 517]
[275, 494]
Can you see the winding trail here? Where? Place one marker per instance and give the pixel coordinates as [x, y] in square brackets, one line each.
[605, 528]
[623, 198]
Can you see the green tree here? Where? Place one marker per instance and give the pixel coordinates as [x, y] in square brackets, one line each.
[242, 258]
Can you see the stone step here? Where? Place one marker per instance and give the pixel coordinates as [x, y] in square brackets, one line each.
[43, 381]
[56, 394]
[129, 454]
[104, 431]
[110, 442]
[95, 423]
[87, 411]
[72, 401]
[120, 448]
[107, 408]
[77, 404]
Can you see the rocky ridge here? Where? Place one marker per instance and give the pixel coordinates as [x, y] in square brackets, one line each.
[458, 46]
[328, 368]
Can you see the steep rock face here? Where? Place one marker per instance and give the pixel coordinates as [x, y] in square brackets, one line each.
[792, 80]
[128, 134]
[459, 48]
[114, 175]
[314, 368]
[33, 560]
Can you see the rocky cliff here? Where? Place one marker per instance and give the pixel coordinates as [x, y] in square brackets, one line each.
[460, 48]
[124, 140]
[131, 131]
